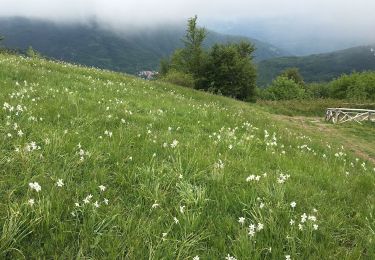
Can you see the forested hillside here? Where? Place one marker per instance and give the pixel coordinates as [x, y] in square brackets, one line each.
[321, 67]
[91, 45]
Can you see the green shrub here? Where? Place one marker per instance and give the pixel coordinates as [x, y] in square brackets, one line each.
[30, 52]
[356, 87]
[179, 78]
[283, 88]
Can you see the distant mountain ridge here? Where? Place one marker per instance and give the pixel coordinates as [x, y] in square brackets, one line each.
[94, 46]
[319, 67]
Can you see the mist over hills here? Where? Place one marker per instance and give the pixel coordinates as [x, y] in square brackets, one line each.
[94, 45]
[319, 67]
[300, 36]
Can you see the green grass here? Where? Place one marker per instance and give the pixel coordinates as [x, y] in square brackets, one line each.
[170, 148]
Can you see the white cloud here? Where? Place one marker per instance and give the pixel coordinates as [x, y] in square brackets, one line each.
[287, 21]
[151, 11]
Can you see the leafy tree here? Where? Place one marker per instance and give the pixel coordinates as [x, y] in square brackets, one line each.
[229, 70]
[190, 58]
[226, 68]
[293, 74]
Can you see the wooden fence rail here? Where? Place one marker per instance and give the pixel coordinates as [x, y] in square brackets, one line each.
[342, 115]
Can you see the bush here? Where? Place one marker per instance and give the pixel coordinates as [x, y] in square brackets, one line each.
[356, 87]
[179, 78]
[30, 52]
[317, 90]
[283, 88]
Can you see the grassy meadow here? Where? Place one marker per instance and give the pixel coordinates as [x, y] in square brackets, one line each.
[99, 165]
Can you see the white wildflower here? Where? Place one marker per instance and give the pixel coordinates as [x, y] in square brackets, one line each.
[300, 226]
[229, 257]
[174, 144]
[241, 220]
[60, 183]
[260, 226]
[35, 186]
[31, 202]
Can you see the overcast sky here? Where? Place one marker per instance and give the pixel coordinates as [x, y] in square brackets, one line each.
[331, 12]
[275, 19]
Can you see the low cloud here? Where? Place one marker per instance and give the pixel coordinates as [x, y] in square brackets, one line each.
[295, 18]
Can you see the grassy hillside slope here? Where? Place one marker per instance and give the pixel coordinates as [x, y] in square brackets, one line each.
[319, 67]
[95, 164]
[92, 45]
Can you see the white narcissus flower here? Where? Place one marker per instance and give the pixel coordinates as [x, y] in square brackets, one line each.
[174, 143]
[31, 202]
[60, 183]
[102, 188]
[260, 226]
[229, 257]
[293, 204]
[35, 186]
[241, 220]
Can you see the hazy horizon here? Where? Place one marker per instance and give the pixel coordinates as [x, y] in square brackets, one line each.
[289, 24]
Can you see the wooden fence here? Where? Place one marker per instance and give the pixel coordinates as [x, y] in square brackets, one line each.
[342, 115]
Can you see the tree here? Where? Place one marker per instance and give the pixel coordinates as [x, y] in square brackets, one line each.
[226, 68]
[193, 51]
[229, 70]
[293, 74]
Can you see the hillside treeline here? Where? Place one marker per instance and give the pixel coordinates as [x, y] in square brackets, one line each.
[228, 69]
[358, 86]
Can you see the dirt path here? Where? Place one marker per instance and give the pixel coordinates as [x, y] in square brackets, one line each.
[330, 132]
